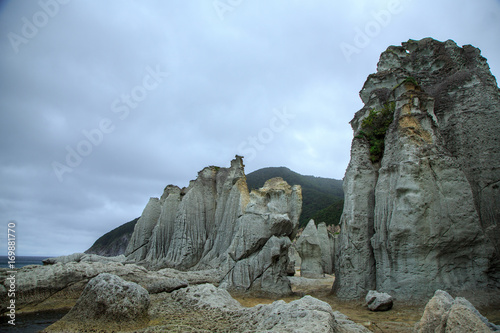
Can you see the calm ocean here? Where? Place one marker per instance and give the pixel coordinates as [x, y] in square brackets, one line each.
[22, 261]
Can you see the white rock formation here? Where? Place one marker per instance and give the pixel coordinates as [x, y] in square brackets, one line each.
[137, 247]
[327, 244]
[257, 258]
[216, 223]
[316, 249]
[309, 248]
[421, 209]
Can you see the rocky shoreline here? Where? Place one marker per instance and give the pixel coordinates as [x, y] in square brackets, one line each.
[191, 302]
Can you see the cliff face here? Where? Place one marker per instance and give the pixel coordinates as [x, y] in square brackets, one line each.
[422, 206]
[217, 223]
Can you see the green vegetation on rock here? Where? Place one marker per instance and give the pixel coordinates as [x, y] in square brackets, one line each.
[374, 127]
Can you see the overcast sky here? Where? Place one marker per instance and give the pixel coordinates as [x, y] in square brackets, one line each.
[104, 103]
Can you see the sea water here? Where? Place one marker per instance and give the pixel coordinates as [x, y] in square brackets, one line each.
[30, 322]
[22, 261]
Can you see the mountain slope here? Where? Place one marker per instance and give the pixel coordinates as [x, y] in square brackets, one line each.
[115, 242]
[321, 197]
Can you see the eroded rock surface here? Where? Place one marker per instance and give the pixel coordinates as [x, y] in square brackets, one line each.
[315, 247]
[307, 314]
[216, 223]
[309, 248]
[38, 284]
[257, 259]
[83, 257]
[107, 302]
[421, 207]
[445, 314]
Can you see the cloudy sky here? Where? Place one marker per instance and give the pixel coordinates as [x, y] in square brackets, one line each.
[104, 103]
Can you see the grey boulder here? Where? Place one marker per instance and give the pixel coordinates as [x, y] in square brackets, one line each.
[445, 314]
[307, 314]
[378, 301]
[107, 303]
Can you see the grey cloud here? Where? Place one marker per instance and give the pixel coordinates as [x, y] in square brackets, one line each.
[225, 79]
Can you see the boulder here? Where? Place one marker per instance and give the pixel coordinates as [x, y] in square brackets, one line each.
[378, 301]
[445, 314]
[206, 296]
[421, 188]
[462, 319]
[307, 314]
[107, 303]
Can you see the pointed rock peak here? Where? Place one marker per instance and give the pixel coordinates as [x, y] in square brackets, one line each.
[310, 231]
[310, 225]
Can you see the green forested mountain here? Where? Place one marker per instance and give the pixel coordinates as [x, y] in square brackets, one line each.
[323, 198]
